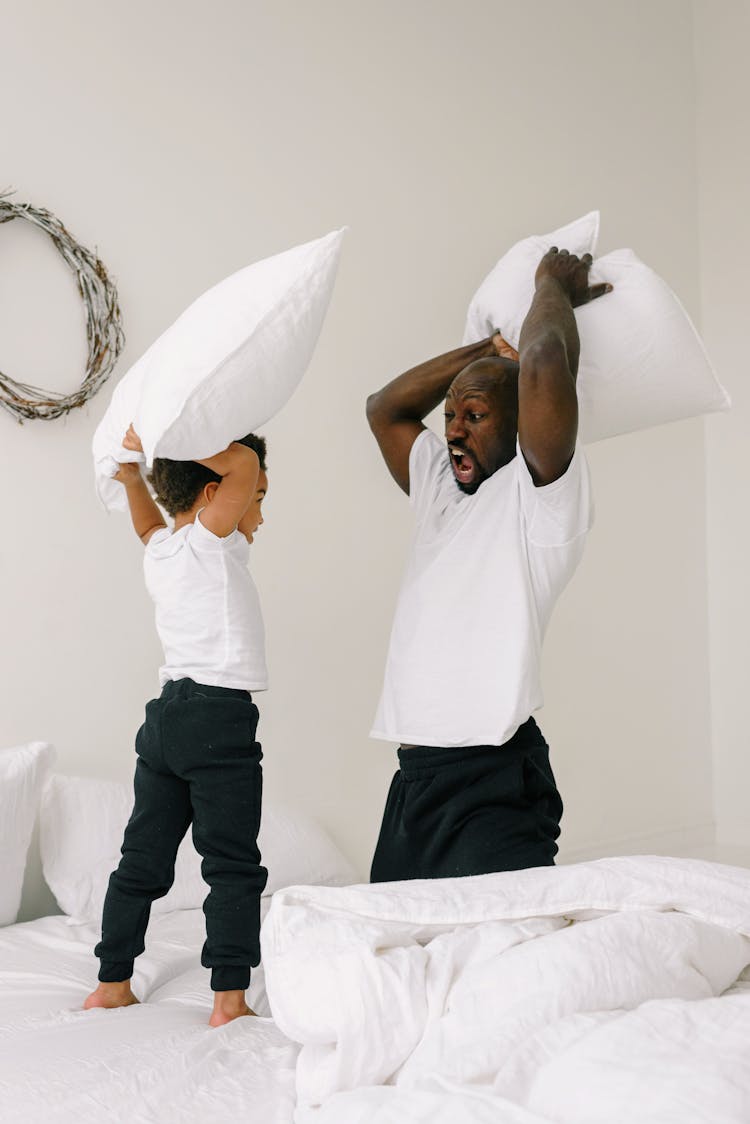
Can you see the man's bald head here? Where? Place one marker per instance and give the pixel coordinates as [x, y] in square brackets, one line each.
[481, 419]
[494, 376]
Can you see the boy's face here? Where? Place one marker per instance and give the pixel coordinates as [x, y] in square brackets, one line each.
[253, 517]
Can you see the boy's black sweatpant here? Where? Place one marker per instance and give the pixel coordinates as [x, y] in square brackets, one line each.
[474, 810]
[198, 762]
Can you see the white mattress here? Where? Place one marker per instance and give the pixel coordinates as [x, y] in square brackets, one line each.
[159, 1061]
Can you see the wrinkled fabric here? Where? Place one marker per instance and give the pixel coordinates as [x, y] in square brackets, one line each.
[23, 769]
[157, 1063]
[615, 991]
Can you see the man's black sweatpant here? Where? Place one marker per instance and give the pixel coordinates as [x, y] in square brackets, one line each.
[474, 810]
[198, 762]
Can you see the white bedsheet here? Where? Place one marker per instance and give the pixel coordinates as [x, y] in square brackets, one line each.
[158, 1062]
[600, 993]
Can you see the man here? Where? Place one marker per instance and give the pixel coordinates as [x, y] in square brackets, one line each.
[501, 519]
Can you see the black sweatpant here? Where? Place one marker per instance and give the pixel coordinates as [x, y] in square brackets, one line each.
[474, 810]
[198, 762]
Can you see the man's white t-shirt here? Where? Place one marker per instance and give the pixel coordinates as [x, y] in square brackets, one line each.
[208, 612]
[482, 578]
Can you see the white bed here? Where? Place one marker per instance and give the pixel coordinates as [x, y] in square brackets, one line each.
[598, 993]
[608, 992]
[159, 1061]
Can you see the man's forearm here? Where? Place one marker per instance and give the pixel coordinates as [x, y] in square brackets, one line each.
[413, 395]
[550, 325]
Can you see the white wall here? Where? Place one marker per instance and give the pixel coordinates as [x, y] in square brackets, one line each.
[723, 113]
[185, 141]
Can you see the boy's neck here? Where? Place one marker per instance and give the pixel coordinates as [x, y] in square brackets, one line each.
[185, 517]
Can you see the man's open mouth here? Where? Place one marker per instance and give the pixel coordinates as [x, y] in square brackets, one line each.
[463, 464]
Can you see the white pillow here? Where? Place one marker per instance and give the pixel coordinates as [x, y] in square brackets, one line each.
[642, 362]
[504, 297]
[23, 769]
[226, 366]
[82, 821]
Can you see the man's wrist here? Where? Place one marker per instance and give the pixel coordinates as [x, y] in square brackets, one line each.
[553, 285]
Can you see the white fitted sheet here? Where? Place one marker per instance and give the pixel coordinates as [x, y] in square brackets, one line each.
[159, 1061]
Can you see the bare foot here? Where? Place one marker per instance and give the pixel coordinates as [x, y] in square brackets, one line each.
[111, 995]
[228, 1005]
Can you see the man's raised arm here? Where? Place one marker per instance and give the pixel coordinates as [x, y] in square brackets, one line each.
[548, 354]
[396, 412]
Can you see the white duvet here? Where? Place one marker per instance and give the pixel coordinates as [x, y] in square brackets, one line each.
[157, 1063]
[604, 992]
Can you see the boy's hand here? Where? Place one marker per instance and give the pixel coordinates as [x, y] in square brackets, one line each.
[128, 474]
[132, 441]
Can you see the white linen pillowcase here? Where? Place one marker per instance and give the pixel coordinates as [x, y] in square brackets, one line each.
[82, 820]
[23, 769]
[642, 361]
[226, 365]
[504, 297]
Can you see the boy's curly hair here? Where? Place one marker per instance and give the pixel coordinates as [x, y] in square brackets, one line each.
[177, 484]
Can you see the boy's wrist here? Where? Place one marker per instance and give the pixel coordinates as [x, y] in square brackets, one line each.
[129, 474]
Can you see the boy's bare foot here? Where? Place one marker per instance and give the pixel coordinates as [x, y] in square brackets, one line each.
[111, 995]
[228, 1005]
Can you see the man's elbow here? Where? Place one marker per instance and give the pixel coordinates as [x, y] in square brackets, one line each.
[546, 347]
[374, 410]
[384, 410]
[544, 357]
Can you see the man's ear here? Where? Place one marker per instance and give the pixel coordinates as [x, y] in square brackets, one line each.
[209, 491]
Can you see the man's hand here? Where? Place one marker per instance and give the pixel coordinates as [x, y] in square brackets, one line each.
[132, 441]
[502, 347]
[572, 274]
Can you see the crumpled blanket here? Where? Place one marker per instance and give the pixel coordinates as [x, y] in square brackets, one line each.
[606, 991]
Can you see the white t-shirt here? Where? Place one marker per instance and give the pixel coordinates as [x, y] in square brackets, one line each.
[207, 608]
[481, 580]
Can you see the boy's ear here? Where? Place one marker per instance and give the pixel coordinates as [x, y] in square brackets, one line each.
[209, 490]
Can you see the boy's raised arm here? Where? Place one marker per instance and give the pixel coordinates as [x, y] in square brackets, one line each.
[146, 516]
[239, 469]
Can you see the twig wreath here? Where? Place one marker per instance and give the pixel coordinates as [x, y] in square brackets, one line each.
[104, 332]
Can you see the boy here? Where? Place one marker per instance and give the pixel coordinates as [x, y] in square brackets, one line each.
[198, 760]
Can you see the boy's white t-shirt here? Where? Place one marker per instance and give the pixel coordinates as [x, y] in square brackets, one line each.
[208, 612]
[483, 575]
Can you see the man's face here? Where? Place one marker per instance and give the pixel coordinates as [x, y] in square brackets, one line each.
[481, 417]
